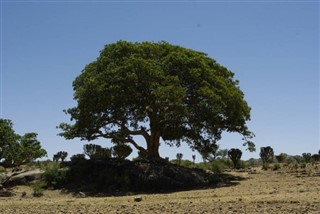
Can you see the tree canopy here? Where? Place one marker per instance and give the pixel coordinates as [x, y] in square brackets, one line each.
[156, 90]
[15, 149]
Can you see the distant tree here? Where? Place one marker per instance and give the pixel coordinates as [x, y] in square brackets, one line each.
[194, 158]
[281, 158]
[30, 148]
[156, 90]
[62, 155]
[315, 157]
[179, 157]
[90, 149]
[55, 158]
[235, 156]
[77, 157]
[97, 152]
[102, 153]
[222, 153]
[121, 151]
[306, 157]
[15, 149]
[266, 155]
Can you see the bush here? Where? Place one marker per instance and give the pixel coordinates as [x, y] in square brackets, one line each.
[218, 166]
[281, 158]
[276, 167]
[55, 176]
[37, 190]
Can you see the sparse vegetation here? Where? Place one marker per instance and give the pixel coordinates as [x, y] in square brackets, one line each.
[37, 190]
[307, 157]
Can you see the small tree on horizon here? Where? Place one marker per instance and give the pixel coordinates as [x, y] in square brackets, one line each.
[194, 158]
[62, 155]
[235, 156]
[179, 157]
[266, 155]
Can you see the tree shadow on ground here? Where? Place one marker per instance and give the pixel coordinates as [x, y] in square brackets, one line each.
[118, 178]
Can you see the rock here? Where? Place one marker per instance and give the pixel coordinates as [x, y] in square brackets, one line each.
[23, 178]
[138, 199]
[81, 195]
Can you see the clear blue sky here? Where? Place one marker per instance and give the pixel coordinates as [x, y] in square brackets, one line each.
[273, 49]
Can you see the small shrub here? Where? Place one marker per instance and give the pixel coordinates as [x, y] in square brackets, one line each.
[218, 167]
[276, 167]
[37, 190]
[281, 158]
[307, 157]
[55, 176]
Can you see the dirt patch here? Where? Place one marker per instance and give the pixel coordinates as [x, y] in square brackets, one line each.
[261, 192]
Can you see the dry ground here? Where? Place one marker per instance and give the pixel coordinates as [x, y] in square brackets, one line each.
[261, 192]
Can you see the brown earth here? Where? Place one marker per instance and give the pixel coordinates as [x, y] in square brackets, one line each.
[260, 192]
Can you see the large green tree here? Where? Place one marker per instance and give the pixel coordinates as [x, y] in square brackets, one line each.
[15, 149]
[156, 90]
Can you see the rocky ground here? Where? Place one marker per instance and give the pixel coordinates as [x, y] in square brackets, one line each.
[285, 191]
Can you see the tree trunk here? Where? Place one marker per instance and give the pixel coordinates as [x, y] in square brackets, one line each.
[153, 144]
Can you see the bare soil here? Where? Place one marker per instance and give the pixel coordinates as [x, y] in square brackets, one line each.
[285, 191]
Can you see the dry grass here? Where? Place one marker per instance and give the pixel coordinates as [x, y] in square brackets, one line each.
[261, 192]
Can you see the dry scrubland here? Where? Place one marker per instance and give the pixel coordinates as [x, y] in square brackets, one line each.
[284, 191]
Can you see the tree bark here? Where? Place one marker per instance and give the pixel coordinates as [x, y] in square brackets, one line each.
[153, 144]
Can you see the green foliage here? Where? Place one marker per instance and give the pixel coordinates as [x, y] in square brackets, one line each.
[15, 149]
[185, 163]
[307, 157]
[266, 154]
[281, 158]
[54, 175]
[62, 155]
[316, 157]
[207, 150]
[37, 190]
[156, 90]
[218, 166]
[121, 151]
[96, 152]
[222, 153]
[235, 156]
[77, 158]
